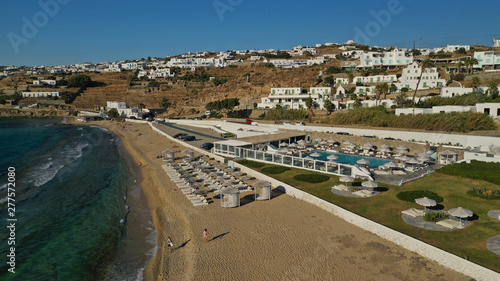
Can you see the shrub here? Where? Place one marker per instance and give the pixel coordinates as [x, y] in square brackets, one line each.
[487, 171]
[273, 170]
[435, 216]
[312, 178]
[251, 164]
[486, 193]
[410, 196]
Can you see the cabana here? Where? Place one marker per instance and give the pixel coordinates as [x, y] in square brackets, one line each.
[168, 155]
[189, 154]
[447, 157]
[265, 190]
[230, 197]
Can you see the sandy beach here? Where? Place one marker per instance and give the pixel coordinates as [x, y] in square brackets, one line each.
[279, 239]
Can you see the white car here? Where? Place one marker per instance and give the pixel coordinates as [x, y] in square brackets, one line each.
[300, 124]
[287, 123]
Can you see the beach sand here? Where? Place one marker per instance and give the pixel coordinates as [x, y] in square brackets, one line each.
[279, 239]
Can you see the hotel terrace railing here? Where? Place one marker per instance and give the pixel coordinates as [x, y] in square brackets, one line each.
[284, 160]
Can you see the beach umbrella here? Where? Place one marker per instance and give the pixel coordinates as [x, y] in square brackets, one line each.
[347, 142]
[332, 157]
[351, 145]
[390, 165]
[237, 174]
[426, 202]
[362, 161]
[369, 184]
[244, 178]
[315, 154]
[262, 183]
[423, 154]
[424, 158]
[385, 146]
[195, 185]
[301, 142]
[402, 147]
[219, 178]
[227, 183]
[413, 161]
[308, 158]
[331, 141]
[404, 158]
[205, 156]
[282, 144]
[385, 149]
[460, 213]
[201, 192]
[319, 139]
[323, 142]
[402, 151]
[292, 145]
[368, 145]
[346, 179]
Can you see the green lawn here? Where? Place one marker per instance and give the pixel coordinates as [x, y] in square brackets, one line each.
[385, 208]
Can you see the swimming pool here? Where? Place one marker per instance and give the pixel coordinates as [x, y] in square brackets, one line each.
[348, 159]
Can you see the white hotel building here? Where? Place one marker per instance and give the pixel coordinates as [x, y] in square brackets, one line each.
[40, 94]
[487, 60]
[411, 74]
[196, 62]
[385, 59]
[293, 98]
[375, 79]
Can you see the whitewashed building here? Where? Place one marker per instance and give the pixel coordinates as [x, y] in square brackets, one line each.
[453, 48]
[40, 94]
[45, 82]
[411, 74]
[294, 98]
[449, 92]
[487, 60]
[196, 62]
[133, 65]
[365, 90]
[391, 59]
[125, 111]
[491, 109]
[375, 79]
[153, 74]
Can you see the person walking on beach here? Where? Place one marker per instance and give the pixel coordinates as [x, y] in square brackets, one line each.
[170, 244]
[205, 235]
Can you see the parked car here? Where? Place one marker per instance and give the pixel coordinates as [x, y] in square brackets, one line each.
[188, 138]
[300, 124]
[179, 135]
[160, 119]
[287, 123]
[249, 121]
[207, 145]
[342, 133]
[197, 118]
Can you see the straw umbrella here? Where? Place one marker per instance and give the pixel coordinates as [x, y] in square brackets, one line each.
[368, 146]
[323, 142]
[332, 157]
[282, 144]
[319, 139]
[460, 213]
[362, 161]
[369, 184]
[346, 179]
[426, 202]
[315, 154]
[402, 147]
[262, 183]
[331, 141]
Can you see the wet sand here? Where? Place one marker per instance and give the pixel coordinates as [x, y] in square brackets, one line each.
[279, 239]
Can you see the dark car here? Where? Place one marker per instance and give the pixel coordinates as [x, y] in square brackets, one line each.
[179, 135]
[207, 145]
[188, 138]
[342, 133]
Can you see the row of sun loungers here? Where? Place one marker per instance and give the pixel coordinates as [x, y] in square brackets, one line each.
[448, 223]
[184, 185]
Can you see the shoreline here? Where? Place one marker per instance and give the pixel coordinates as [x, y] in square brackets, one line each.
[283, 238]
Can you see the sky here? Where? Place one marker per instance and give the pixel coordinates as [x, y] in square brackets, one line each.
[55, 32]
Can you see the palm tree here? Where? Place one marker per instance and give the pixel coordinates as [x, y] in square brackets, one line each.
[141, 107]
[310, 105]
[475, 82]
[492, 88]
[460, 64]
[385, 89]
[393, 88]
[379, 90]
[425, 64]
[473, 61]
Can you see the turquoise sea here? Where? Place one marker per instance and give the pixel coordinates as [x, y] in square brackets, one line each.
[80, 212]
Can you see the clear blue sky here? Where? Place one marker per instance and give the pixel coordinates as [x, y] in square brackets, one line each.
[97, 31]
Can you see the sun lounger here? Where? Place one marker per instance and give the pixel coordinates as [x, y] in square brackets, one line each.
[363, 193]
[412, 212]
[449, 223]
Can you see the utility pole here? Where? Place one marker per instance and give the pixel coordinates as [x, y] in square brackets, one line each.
[414, 44]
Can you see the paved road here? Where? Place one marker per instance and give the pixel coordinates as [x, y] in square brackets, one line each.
[202, 135]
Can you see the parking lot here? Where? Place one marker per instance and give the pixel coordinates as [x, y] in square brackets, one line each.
[202, 135]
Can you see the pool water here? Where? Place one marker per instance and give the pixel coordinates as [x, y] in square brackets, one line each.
[348, 159]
